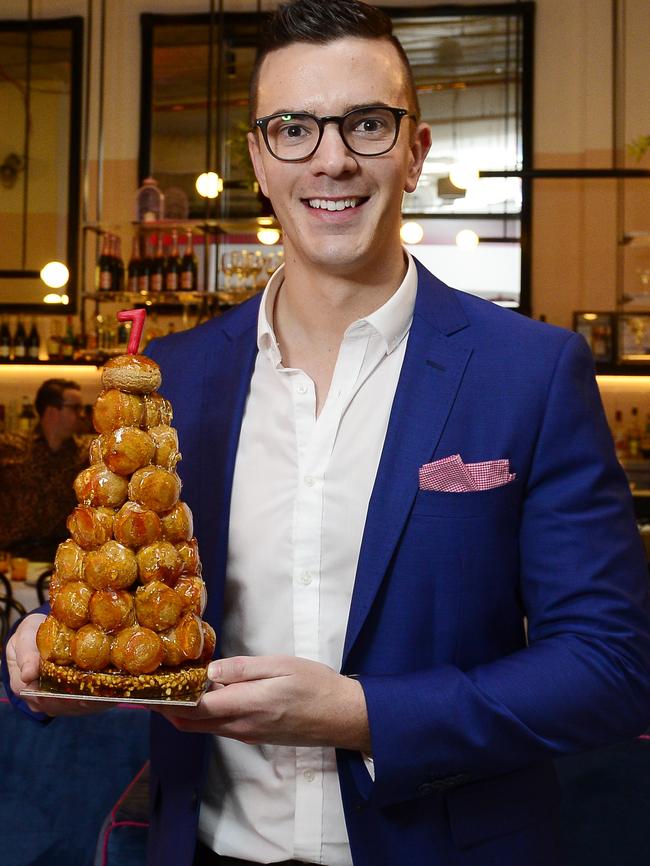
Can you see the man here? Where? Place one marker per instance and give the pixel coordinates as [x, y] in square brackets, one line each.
[37, 470]
[389, 480]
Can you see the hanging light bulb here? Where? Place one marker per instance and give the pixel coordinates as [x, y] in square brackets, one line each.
[209, 184]
[268, 236]
[411, 233]
[463, 175]
[55, 275]
[467, 239]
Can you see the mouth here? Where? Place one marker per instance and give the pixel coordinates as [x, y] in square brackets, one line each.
[335, 204]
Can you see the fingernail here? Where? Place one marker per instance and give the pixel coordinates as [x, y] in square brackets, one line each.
[214, 671]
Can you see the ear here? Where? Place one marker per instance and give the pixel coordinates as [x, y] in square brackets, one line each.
[256, 159]
[420, 145]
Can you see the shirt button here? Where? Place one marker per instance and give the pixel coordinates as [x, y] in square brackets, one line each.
[302, 388]
[306, 578]
[309, 480]
[309, 775]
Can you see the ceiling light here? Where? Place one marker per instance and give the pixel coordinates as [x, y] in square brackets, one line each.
[209, 184]
[463, 175]
[467, 239]
[268, 236]
[55, 275]
[411, 233]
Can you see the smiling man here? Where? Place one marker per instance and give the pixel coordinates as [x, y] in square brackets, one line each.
[420, 550]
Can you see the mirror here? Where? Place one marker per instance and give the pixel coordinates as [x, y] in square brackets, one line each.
[40, 107]
[473, 71]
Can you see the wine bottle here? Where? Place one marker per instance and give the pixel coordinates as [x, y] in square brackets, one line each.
[54, 341]
[105, 266]
[67, 343]
[5, 341]
[144, 271]
[173, 266]
[188, 266]
[20, 342]
[634, 435]
[118, 265]
[27, 417]
[33, 342]
[134, 266]
[158, 267]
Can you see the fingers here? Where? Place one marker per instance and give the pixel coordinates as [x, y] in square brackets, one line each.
[240, 669]
[23, 659]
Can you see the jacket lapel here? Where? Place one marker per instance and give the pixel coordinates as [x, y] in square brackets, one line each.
[431, 375]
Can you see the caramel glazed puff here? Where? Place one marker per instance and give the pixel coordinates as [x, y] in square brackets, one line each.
[127, 594]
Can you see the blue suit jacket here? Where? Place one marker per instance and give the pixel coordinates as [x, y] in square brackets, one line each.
[466, 707]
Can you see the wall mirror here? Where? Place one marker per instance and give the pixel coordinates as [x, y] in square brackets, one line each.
[473, 71]
[40, 110]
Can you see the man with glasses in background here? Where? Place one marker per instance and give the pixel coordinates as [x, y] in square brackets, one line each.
[37, 470]
[421, 558]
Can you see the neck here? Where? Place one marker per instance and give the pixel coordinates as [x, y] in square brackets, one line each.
[52, 436]
[321, 305]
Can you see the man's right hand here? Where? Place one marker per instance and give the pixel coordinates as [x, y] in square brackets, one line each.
[23, 663]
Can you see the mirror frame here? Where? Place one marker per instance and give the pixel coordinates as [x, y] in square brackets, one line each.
[75, 25]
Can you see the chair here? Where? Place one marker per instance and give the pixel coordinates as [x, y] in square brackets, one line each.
[43, 585]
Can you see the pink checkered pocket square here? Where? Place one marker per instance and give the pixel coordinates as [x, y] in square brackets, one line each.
[451, 475]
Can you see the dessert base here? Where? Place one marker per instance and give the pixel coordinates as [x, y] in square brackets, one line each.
[185, 684]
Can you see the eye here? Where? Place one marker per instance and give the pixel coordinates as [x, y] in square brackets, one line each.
[293, 130]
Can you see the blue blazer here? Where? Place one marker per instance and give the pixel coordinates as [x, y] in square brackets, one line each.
[491, 631]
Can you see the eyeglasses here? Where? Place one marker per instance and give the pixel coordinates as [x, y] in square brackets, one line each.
[368, 131]
[76, 407]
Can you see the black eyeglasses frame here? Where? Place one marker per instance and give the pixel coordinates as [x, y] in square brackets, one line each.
[262, 123]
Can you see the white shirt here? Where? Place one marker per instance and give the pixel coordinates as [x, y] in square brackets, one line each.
[300, 495]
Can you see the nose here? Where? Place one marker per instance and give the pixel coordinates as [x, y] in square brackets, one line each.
[332, 156]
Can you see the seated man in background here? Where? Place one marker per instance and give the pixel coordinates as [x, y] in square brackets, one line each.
[37, 470]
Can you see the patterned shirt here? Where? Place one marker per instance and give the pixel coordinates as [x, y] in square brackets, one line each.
[36, 493]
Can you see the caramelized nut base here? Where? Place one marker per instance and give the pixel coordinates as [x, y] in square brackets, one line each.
[185, 683]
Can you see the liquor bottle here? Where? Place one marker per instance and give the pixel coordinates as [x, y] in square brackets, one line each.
[620, 436]
[188, 266]
[158, 267]
[67, 343]
[20, 342]
[118, 265]
[33, 342]
[27, 417]
[5, 341]
[173, 266]
[134, 266]
[144, 271]
[105, 266]
[634, 435]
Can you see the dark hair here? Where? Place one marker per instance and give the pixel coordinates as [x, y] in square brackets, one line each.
[51, 394]
[321, 22]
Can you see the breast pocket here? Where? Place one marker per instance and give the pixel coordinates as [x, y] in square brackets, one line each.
[475, 503]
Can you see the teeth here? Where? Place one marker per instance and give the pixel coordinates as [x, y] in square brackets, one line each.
[329, 204]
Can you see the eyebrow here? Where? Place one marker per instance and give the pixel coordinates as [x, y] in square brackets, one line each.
[350, 107]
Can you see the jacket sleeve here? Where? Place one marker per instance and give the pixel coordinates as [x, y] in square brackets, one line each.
[584, 679]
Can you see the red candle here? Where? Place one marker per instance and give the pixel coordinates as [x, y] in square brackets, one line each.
[136, 317]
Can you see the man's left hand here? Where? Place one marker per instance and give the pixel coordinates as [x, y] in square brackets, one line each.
[279, 700]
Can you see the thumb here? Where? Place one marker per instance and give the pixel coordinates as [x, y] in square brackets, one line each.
[240, 669]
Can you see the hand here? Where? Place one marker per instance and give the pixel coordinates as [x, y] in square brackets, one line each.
[24, 662]
[279, 700]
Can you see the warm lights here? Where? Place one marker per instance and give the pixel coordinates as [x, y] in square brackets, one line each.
[467, 239]
[463, 176]
[55, 275]
[411, 233]
[54, 298]
[209, 184]
[268, 236]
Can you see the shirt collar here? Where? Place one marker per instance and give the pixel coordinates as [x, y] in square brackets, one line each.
[391, 321]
